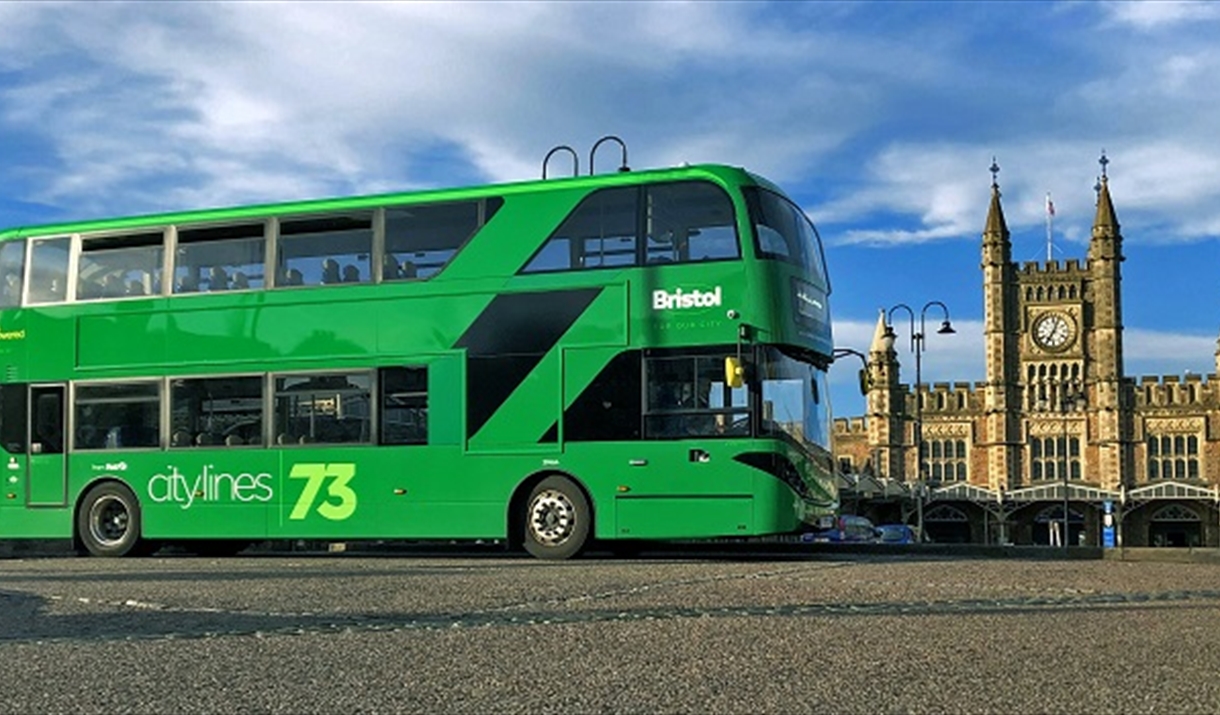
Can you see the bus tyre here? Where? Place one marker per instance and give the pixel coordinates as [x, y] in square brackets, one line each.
[557, 519]
[108, 523]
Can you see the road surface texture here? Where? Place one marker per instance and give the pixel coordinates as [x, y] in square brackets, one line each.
[449, 633]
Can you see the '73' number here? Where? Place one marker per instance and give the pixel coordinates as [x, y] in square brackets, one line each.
[315, 474]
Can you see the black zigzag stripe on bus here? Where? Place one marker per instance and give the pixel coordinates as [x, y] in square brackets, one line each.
[508, 340]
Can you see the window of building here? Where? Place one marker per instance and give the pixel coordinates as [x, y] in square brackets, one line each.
[404, 405]
[421, 240]
[118, 415]
[216, 411]
[325, 250]
[1172, 457]
[330, 408]
[120, 266]
[219, 258]
[945, 459]
[1052, 457]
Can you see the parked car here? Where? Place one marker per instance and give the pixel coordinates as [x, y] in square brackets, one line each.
[895, 534]
[848, 529]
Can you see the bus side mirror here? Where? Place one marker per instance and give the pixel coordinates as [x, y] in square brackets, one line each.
[864, 381]
[734, 373]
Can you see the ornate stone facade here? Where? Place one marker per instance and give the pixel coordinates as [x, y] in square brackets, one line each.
[1056, 418]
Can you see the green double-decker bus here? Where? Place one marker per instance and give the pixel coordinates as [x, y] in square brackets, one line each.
[629, 356]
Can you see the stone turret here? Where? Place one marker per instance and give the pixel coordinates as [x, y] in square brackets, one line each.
[1001, 435]
[1105, 368]
[885, 402]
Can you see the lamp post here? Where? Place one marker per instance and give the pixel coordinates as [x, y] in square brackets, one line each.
[1070, 399]
[917, 347]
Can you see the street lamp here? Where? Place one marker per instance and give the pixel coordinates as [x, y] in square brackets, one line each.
[917, 347]
[1070, 399]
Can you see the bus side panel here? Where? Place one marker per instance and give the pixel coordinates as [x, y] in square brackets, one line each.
[684, 517]
[17, 521]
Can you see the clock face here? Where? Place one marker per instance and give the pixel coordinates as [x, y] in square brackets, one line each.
[1053, 331]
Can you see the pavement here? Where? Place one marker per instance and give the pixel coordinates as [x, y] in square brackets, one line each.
[819, 632]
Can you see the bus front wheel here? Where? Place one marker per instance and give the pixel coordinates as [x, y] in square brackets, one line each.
[108, 523]
[557, 519]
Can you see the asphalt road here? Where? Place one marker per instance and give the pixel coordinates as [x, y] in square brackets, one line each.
[834, 633]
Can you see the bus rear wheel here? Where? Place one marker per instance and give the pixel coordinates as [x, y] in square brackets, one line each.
[557, 519]
[108, 523]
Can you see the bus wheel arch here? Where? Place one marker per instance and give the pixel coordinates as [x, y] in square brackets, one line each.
[551, 516]
[109, 521]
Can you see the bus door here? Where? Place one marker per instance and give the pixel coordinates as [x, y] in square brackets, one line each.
[47, 468]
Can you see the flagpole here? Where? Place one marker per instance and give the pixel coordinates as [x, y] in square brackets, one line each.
[1050, 217]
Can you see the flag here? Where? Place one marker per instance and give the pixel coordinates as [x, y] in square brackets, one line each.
[1050, 206]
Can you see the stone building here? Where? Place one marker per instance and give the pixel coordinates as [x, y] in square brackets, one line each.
[1056, 422]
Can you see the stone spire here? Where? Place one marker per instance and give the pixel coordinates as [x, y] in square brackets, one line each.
[995, 232]
[1105, 373]
[882, 343]
[1000, 435]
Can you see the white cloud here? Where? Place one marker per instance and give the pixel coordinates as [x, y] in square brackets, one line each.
[1180, 352]
[1163, 14]
[168, 105]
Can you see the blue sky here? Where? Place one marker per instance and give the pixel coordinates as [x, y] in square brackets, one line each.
[880, 118]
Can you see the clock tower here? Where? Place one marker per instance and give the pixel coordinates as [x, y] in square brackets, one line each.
[1063, 364]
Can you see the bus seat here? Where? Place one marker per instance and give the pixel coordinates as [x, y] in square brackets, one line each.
[294, 278]
[135, 288]
[410, 270]
[203, 439]
[330, 271]
[181, 439]
[351, 274]
[240, 281]
[187, 284]
[233, 440]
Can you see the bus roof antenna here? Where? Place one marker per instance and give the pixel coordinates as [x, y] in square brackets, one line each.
[568, 149]
[609, 137]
